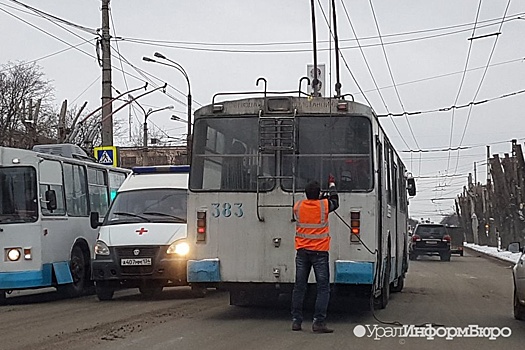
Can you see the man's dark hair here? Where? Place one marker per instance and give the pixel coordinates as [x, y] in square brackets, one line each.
[313, 190]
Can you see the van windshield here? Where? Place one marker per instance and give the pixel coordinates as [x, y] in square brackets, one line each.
[150, 205]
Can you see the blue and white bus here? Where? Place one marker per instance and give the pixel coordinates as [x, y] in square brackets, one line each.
[49, 216]
[251, 160]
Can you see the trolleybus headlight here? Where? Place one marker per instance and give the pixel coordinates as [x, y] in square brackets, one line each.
[180, 248]
[101, 248]
[13, 254]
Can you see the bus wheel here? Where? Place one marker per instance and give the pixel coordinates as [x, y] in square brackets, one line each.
[397, 285]
[78, 269]
[104, 290]
[151, 289]
[382, 300]
[3, 297]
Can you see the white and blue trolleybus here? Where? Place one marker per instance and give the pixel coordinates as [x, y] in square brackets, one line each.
[49, 216]
[251, 160]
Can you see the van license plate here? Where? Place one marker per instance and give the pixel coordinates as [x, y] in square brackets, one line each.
[135, 262]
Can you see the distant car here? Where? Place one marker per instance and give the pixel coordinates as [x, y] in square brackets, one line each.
[518, 273]
[457, 238]
[430, 239]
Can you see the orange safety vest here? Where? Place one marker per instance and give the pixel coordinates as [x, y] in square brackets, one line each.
[311, 224]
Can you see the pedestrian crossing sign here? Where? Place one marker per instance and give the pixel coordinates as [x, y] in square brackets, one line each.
[106, 155]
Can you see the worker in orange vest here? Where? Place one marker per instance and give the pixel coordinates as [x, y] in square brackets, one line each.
[312, 243]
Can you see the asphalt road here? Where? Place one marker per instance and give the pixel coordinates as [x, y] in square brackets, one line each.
[438, 296]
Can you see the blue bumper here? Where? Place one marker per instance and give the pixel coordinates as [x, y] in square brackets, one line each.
[27, 279]
[39, 278]
[207, 270]
[354, 272]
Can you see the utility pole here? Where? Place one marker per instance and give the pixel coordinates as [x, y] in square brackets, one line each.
[107, 109]
[62, 123]
[488, 164]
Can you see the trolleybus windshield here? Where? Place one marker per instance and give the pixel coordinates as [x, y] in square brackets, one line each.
[18, 195]
[226, 156]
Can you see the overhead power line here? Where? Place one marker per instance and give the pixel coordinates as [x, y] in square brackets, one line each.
[57, 19]
[193, 45]
[447, 109]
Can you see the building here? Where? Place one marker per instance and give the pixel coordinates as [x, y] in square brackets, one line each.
[152, 155]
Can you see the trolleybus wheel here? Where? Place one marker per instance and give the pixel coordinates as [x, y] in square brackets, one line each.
[78, 269]
[382, 300]
[397, 286]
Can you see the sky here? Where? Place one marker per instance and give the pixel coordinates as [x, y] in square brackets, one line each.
[419, 57]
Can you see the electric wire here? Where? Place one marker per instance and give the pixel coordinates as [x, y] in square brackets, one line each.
[87, 53]
[467, 60]
[57, 19]
[391, 73]
[482, 78]
[177, 44]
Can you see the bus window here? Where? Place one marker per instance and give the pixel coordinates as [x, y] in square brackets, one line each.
[115, 180]
[76, 190]
[50, 181]
[18, 195]
[340, 146]
[225, 156]
[98, 193]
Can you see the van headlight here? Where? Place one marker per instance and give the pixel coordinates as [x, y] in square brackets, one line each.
[179, 248]
[101, 248]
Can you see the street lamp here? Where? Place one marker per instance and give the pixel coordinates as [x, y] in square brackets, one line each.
[146, 115]
[178, 67]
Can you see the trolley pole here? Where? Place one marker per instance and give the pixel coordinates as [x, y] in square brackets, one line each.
[107, 109]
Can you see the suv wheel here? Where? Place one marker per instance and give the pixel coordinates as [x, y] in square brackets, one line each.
[445, 256]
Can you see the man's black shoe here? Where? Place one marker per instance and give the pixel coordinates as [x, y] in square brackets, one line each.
[296, 326]
[321, 328]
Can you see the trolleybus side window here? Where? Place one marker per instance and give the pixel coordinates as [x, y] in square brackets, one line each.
[225, 156]
[76, 190]
[339, 145]
[115, 180]
[402, 188]
[98, 193]
[49, 181]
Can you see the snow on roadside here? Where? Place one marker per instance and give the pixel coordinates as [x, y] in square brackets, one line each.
[495, 252]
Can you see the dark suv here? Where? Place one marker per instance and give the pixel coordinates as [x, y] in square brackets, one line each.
[430, 239]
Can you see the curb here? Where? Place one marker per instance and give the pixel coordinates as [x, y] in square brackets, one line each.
[486, 255]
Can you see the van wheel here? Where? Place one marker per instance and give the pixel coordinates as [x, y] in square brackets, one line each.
[79, 271]
[151, 290]
[104, 290]
[198, 291]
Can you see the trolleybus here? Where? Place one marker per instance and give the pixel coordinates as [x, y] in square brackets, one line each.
[49, 216]
[251, 160]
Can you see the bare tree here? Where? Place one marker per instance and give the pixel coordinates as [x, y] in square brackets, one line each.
[23, 87]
